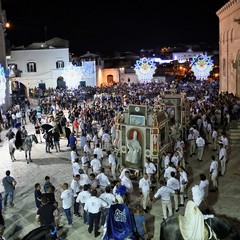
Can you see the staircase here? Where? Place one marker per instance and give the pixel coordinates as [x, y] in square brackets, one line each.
[233, 134]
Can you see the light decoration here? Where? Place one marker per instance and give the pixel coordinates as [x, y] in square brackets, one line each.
[72, 75]
[145, 68]
[2, 85]
[201, 66]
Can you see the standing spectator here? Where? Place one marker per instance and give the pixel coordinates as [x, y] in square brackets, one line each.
[47, 183]
[203, 186]
[38, 195]
[75, 126]
[73, 142]
[73, 154]
[93, 206]
[174, 184]
[67, 199]
[214, 174]
[109, 198]
[75, 186]
[9, 184]
[183, 184]
[140, 221]
[144, 188]
[38, 132]
[45, 213]
[82, 198]
[56, 139]
[67, 135]
[214, 139]
[164, 193]
[106, 140]
[112, 163]
[200, 142]
[49, 141]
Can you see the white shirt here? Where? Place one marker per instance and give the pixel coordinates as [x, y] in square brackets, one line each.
[175, 160]
[99, 152]
[127, 183]
[150, 168]
[122, 175]
[200, 142]
[167, 172]
[106, 137]
[183, 178]
[87, 149]
[144, 184]
[94, 204]
[108, 197]
[111, 160]
[214, 167]
[84, 160]
[103, 180]
[166, 161]
[67, 198]
[223, 154]
[203, 185]
[75, 167]
[83, 196]
[75, 186]
[173, 183]
[96, 164]
[164, 193]
[84, 179]
[73, 156]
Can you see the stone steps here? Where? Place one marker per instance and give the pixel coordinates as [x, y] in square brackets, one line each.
[234, 135]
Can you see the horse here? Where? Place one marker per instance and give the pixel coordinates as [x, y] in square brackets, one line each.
[223, 229]
[27, 147]
[42, 233]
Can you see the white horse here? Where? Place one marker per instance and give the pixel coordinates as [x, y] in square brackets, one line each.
[27, 147]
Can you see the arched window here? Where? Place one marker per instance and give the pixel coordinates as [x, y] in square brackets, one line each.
[31, 67]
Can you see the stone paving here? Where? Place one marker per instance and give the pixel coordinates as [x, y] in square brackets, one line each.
[20, 219]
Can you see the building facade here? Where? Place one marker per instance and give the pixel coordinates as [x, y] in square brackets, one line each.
[229, 47]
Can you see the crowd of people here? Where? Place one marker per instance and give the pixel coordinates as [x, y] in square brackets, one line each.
[89, 128]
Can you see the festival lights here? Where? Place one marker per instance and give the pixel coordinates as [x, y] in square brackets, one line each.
[202, 66]
[145, 68]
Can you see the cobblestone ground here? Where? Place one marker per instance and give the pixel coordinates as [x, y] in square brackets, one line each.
[20, 219]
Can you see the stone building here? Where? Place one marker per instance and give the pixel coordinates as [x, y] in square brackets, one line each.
[229, 47]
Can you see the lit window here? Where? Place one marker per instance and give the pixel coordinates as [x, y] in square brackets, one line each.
[60, 64]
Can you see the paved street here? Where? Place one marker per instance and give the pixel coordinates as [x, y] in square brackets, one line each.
[21, 218]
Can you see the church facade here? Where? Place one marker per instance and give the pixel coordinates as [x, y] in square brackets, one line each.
[229, 47]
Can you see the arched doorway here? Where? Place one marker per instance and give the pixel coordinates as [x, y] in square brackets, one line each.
[19, 91]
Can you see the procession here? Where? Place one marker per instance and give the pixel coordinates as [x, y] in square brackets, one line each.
[90, 147]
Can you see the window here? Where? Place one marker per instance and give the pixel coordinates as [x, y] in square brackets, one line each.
[60, 64]
[13, 66]
[31, 67]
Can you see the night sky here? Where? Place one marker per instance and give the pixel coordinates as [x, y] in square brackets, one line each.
[97, 26]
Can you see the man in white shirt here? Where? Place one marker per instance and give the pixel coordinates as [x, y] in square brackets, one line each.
[95, 164]
[222, 159]
[214, 174]
[166, 160]
[203, 186]
[150, 168]
[214, 139]
[183, 180]
[200, 142]
[82, 198]
[168, 170]
[175, 159]
[103, 180]
[109, 198]
[73, 154]
[112, 163]
[192, 142]
[67, 200]
[164, 193]
[75, 186]
[99, 152]
[106, 140]
[85, 162]
[174, 184]
[127, 182]
[76, 166]
[123, 170]
[93, 206]
[144, 188]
